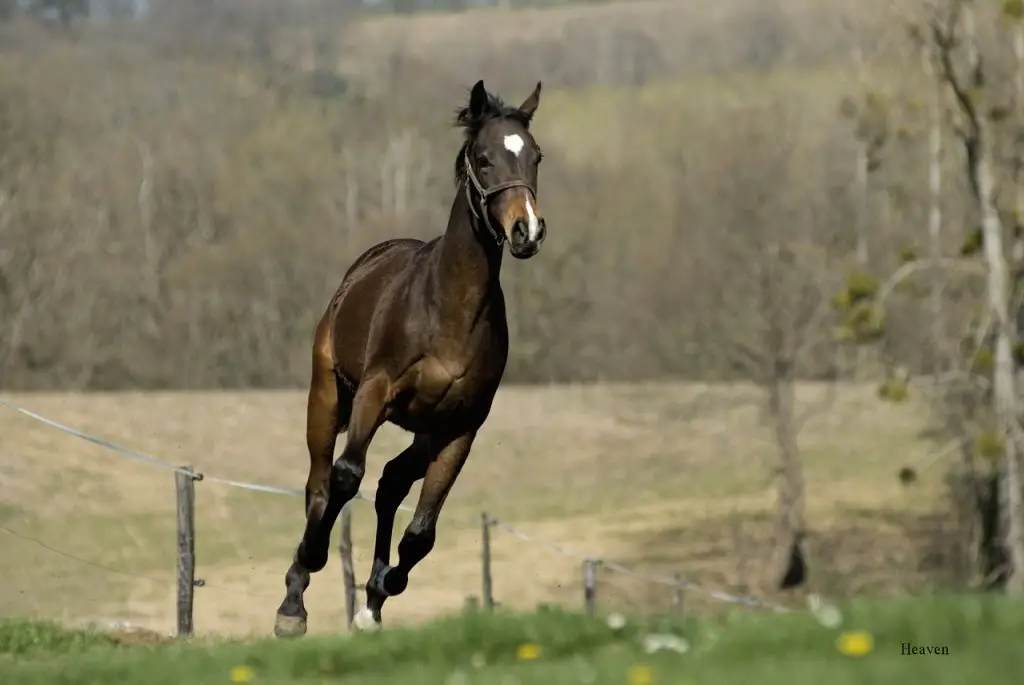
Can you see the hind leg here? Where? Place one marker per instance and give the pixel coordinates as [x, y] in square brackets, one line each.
[395, 482]
[327, 412]
[418, 539]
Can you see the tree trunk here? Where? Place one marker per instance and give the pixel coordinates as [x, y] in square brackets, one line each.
[787, 568]
[1003, 381]
[935, 211]
[862, 191]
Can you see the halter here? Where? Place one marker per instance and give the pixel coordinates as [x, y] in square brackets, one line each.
[486, 195]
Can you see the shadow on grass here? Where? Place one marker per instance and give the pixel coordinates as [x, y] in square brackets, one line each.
[864, 553]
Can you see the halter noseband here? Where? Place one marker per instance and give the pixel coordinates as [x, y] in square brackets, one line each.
[486, 195]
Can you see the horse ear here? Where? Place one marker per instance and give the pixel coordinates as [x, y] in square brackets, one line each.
[478, 100]
[529, 105]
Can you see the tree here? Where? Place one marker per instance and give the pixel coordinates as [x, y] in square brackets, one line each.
[986, 389]
[769, 231]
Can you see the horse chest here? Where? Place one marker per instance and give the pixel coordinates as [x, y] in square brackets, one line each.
[439, 389]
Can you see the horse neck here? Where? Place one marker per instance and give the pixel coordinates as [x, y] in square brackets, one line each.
[469, 263]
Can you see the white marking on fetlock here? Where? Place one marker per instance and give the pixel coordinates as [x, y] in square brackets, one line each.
[364, 620]
[377, 577]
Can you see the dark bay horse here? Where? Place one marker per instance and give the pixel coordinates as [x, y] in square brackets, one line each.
[416, 335]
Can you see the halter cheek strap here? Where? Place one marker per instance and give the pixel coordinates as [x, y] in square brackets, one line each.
[485, 196]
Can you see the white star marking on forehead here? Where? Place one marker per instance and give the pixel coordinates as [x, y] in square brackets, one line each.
[514, 143]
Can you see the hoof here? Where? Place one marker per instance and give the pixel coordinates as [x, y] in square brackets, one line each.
[365, 622]
[289, 626]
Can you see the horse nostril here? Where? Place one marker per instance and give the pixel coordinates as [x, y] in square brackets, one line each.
[519, 230]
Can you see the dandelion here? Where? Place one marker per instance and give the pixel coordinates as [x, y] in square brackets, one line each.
[528, 652]
[241, 674]
[855, 643]
[640, 675]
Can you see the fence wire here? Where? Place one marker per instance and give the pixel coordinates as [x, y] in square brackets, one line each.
[675, 583]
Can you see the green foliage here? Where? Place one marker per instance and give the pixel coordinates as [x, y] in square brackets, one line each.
[894, 390]
[867, 322]
[864, 320]
[861, 286]
[1018, 353]
[973, 242]
[19, 637]
[841, 301]
[983, 361]
[989, 446]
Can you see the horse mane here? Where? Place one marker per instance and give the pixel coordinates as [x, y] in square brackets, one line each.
[471, 126]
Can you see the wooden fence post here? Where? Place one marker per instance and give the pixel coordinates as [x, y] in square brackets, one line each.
[488, 587]
[677, 594]
[185, 484]
[590, 585]
[348, 572]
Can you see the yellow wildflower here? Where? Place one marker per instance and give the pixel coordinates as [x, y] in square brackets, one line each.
[241, 674]
[856, 643]
[640, 675]
[528, 652]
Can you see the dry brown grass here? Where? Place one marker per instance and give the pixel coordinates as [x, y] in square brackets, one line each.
[670, 477]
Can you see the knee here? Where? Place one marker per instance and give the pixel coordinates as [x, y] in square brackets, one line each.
[346, 478]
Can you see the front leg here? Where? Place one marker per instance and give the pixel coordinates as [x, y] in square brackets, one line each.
[395, 483]
[419, 536]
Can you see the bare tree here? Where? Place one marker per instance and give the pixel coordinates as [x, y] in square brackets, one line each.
[976, 136]
[775, 243]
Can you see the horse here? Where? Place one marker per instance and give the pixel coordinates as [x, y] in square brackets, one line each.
[417, 335]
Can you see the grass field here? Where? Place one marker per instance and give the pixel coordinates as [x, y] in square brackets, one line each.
[981, 635]
[663, 477]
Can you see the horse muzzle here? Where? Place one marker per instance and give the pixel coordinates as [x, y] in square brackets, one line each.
[526, 237]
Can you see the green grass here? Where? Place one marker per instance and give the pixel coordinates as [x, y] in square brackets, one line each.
[21, 638]
[982, 634]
